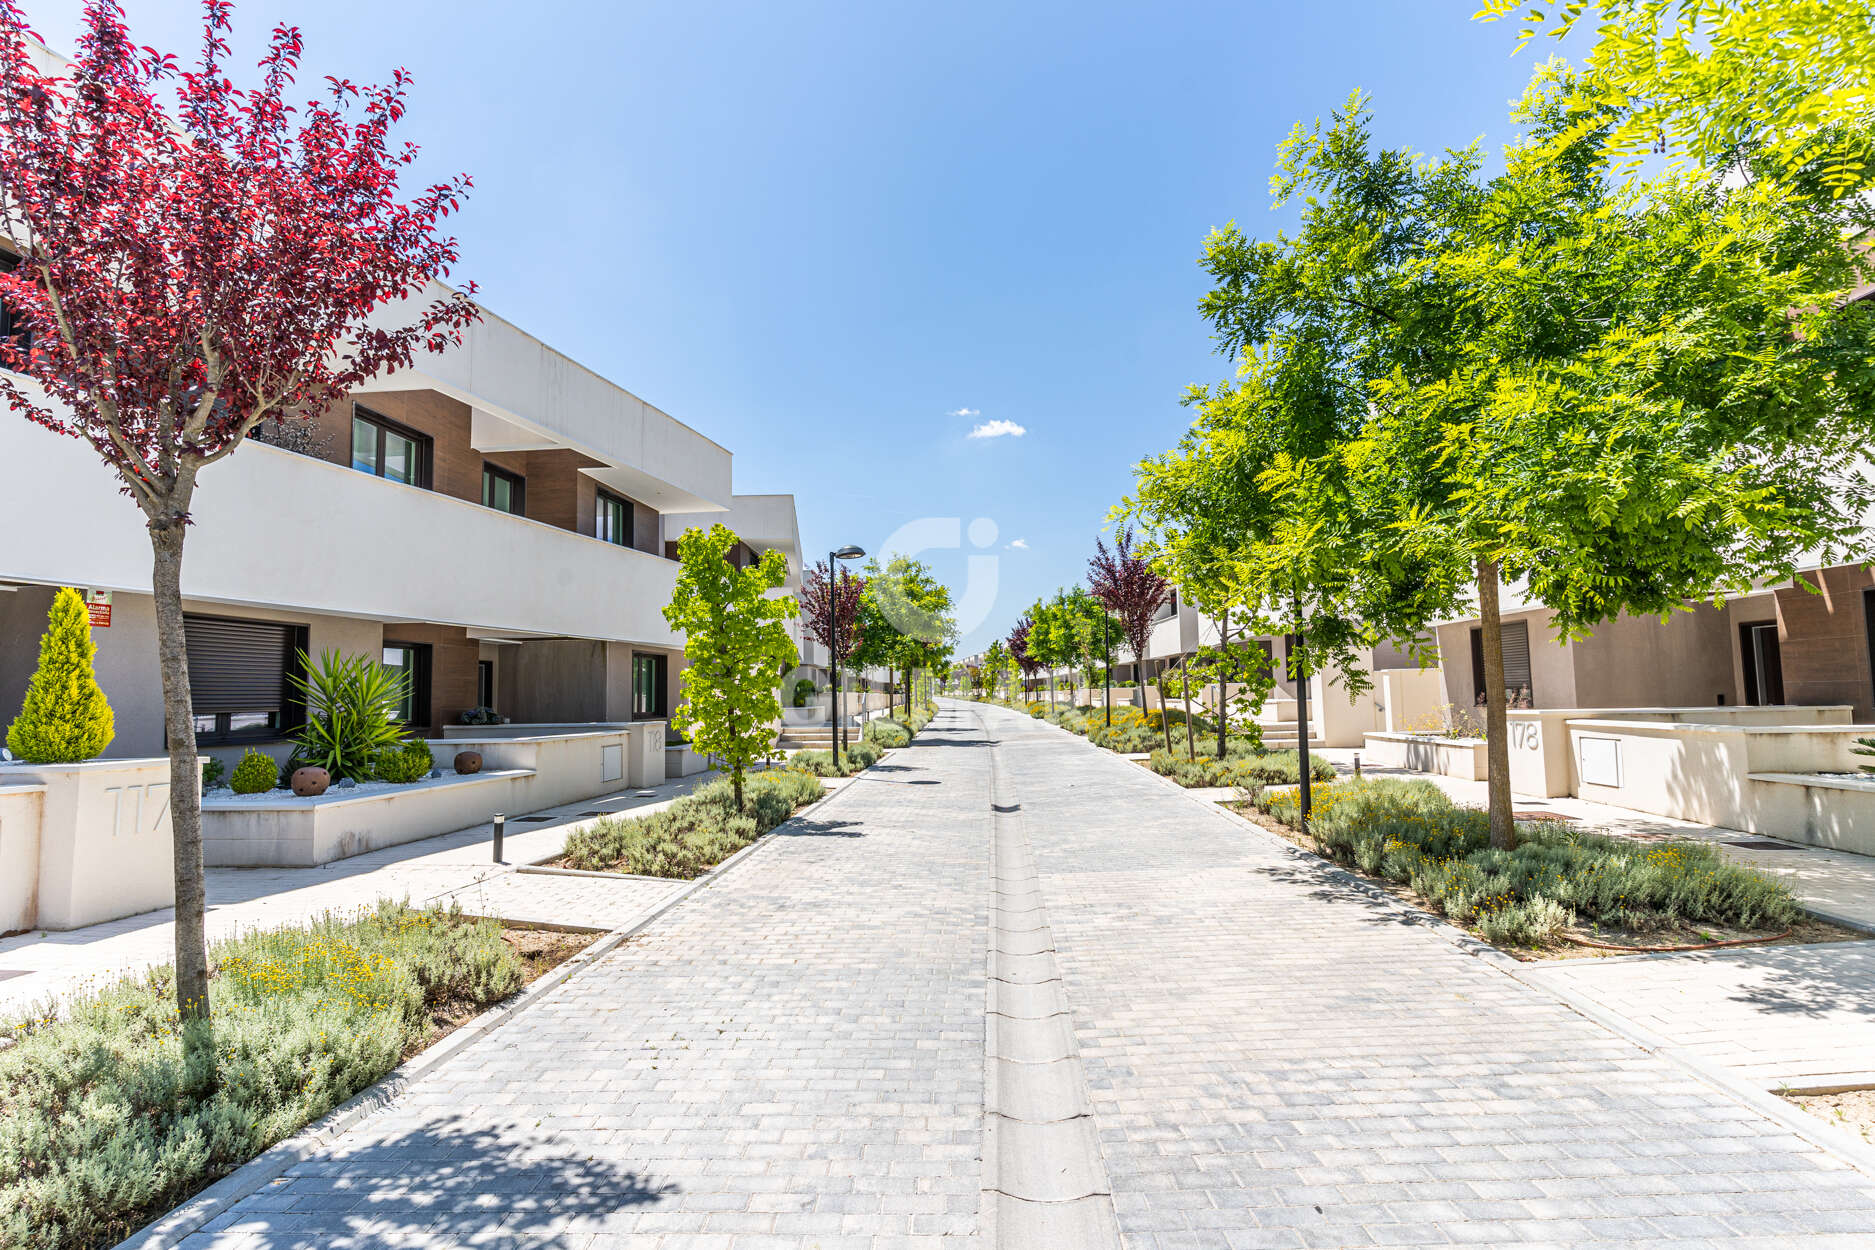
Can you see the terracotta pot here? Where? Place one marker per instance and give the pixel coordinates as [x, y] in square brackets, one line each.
[310, 780]
[468, 761]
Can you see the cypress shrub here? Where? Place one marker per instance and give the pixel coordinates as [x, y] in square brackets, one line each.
[65, 717]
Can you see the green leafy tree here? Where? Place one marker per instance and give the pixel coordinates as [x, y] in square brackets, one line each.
[735, 646]
[1786, 84]
[997, 666]
[907, 621]
[65, 718]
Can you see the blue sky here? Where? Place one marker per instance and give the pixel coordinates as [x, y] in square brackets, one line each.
[835, 238]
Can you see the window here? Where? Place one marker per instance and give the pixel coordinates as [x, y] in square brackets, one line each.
[1514, 637]
[614, 521]
[411, 662]
[386, 449]
[240, 677]
[503, 491]
[485, 684]
[12, 325]
[1763, 663]
[648, 673]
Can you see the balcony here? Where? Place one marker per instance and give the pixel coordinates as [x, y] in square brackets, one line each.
[275, 528]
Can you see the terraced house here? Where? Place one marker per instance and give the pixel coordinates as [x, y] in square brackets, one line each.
[499, 522]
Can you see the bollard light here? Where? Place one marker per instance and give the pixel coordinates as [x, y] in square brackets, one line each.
[1357, 765]
[501, 823]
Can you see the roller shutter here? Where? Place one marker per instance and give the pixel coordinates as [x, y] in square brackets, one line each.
[237, 666]
[1517, 660]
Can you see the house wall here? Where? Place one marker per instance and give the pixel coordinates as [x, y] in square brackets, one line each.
[557, 680]
[1552, 664]
[1823, 639]
[1639, 661]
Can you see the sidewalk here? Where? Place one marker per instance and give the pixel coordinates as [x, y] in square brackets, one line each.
[455, 866]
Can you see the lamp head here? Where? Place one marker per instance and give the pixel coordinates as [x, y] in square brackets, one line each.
[849, 552]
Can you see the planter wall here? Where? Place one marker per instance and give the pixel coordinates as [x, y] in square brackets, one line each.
[294, 832]
[1448, 757]
[101, 846]
[682, 760]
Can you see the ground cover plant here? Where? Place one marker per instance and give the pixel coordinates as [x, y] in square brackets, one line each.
[696, 832]
[1247, 767]
[107, 1121]
[854, 757]
[1411, 833]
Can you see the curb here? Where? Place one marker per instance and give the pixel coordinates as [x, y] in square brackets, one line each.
[180, 1221]
[1818, 1133]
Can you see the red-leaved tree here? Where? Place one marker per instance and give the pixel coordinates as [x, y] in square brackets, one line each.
[1124, 582]
[831, 605]
[1019, 649]
[197, 258]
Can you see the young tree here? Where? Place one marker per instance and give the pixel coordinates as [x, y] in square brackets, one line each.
[65, 718]
[1125, 583]
[191, 271]
[907, 618]
[735, 647]
[1019, 637]
[996, 665]
[832, 608]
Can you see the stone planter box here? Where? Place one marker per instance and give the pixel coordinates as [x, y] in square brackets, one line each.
[681, 760]
[568, 763]
[293, 832]
[84, 843]
[1448, 757]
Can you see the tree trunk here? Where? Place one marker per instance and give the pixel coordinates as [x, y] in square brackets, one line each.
[1223, 681]
[1298, 673]
[1165, 719]
[185, 773]
[1191, 742]
[1496, 723]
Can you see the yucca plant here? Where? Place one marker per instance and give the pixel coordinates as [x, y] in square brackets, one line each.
[351, 713]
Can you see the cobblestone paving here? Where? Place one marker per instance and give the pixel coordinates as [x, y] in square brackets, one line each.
[1802, 1016]
[1274, 1059]
[592, 902]
[792, 1057]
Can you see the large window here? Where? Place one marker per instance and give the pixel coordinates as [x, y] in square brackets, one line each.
[387, 449]
[648, 672]
[411, 662]
[613, 522]
[240, 677]
[504, 491]
[1519, 689]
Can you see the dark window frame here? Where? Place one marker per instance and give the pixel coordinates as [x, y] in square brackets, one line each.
[11, 325]
[425, 445]
[626, 509]
[660, 681]
[517, 488]
[485, 684]
[1748, 657]
[292, 709]
[420, 679]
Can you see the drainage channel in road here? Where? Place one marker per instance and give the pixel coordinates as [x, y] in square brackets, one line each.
[1044, 1182]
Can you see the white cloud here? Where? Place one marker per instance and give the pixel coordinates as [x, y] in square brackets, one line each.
[997, 429]
[1019, 544]
[966, 412]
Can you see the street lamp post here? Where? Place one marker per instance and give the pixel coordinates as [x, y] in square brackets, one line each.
[848, 552]
[1106, 649]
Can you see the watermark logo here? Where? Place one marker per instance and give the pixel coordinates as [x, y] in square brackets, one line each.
[973, 602]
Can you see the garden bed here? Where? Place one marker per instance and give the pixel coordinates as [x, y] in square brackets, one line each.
[1559, 891]
[695, 833]
[1853, 1110]
[107, 1122]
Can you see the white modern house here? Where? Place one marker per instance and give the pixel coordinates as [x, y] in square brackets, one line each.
[499, 522]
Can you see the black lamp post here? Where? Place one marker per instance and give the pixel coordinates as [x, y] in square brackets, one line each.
[848, 552]
[1106, 648]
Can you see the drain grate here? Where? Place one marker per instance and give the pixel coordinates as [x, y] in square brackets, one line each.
[1761, 844]
[532, 820]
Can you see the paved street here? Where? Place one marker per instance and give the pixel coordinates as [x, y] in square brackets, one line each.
[794, 1056]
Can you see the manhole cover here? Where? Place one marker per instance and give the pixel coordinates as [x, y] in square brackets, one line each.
[532, 820]
[1761, 844]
